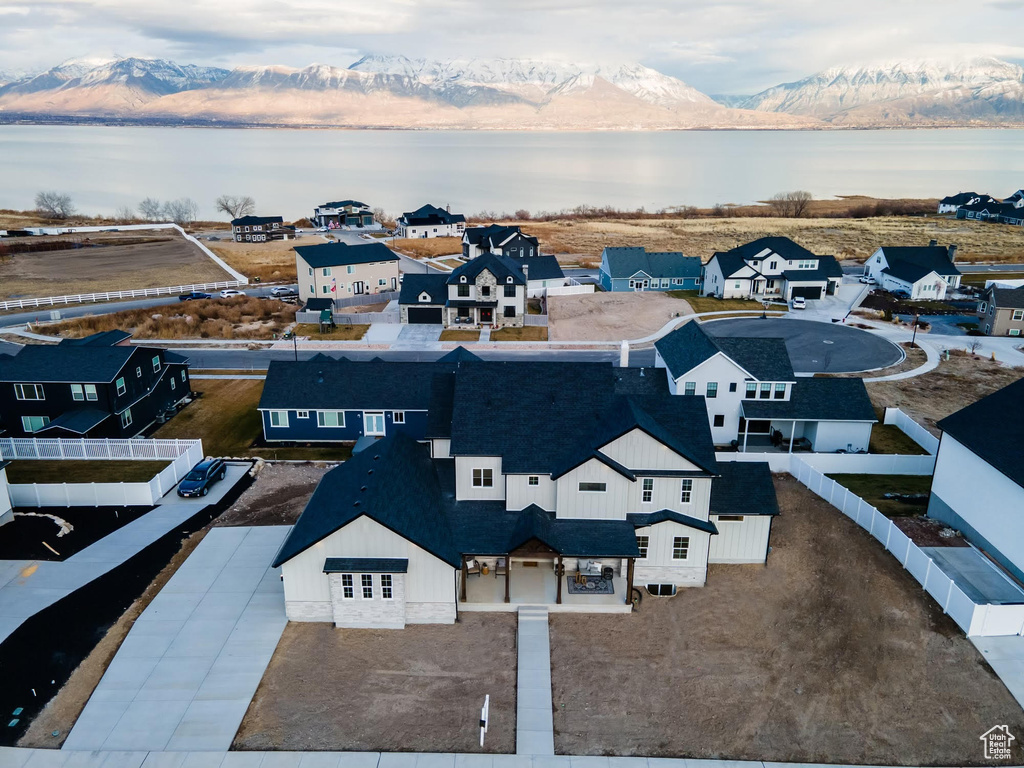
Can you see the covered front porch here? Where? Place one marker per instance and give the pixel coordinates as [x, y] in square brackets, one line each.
[470, 314]
[773, 436]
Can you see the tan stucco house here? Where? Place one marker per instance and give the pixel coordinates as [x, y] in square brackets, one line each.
[339, 271]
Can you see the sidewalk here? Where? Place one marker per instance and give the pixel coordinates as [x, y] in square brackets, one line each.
[535, 734]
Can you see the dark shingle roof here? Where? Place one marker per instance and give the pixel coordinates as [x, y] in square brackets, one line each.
[687, 347]
[366, 565]
[344, 204]
[783, 246]
[911, 263]
[392, 482]
[442, 396]
[827, 267]
[244, 220]
[342, 254]
[101, 339]
[626, 262]
[817, 400]
[993, 430]
[457, 355]
[644, 519]
[961, 198]
[79, 421]
[744, 488]
[430, 214]
[494, 234]
[499, 266]
[63, 363]
[318, 305]
[540, 267]
[435, 286]
[1008, 298]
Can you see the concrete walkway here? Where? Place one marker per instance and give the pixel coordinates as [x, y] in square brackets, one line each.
[29, 586]
[535, 733]
[1005, 654]
[185, 674]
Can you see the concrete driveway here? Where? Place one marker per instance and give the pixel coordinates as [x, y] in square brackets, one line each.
[418, 337]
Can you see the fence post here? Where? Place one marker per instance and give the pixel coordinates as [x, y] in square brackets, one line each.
[35, 488]
[906, 555]
[67, 495]
[927, 571]
[949, 594]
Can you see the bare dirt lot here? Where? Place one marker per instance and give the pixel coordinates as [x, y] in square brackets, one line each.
[610, 316]
[418, 690]
[106, 263]
[271, 262]
[277, 497]
[830, 653]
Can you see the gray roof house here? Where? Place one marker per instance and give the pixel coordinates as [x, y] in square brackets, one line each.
[1001, 313]
[340, 271]
[923, 272]
[771, 268]
[636, 269]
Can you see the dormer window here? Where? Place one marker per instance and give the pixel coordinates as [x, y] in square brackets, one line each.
[424, 297]
[508, 279]
[462, 279]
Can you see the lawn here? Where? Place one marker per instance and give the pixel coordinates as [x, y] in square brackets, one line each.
[526, 333]
[872, 488]
[828, 653]
[459, 334]
[271, 262]
[888, 438]
[701, 303]
[340, 332]
[70, 471]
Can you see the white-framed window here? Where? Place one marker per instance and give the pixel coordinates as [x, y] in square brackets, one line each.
[398, 417]
[279, 418]
[687, 491]
[310, 271]
[302, 414]
[172, 385]
[690, 388]
[780, 391]
[77, 392]
[677, 281]
[730, 518]
[381, 281]
[1014, 332]
[34, 423]
[648, 490]
[736, 285]
[983, 307]
[386, 586]
[350, 270]
[751, 390]
[593, 487]
[533, 480]
[712, 389]
[642, 543]
[126, 418]
[119, 384]
[329, 418]
[327, 272]
[367, 581]
[348, 589]
[665, 282]
[29, 392]
[138, 372]
[483, 478]
[182, 375]
[156, 363]
[680, 547]
[312, 289]
[325, 289]
[1018, 314]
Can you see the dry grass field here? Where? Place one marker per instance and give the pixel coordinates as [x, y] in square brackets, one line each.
[271, 262]
[243, 317]
[843, 237]
[428, 247]
[107, 261]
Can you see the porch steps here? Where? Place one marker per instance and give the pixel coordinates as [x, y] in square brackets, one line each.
[535, 733]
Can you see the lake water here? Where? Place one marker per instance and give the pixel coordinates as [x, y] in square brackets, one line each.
[289, 171]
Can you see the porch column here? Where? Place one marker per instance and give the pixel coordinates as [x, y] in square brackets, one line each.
[508, 578]
[792, 436]
[465, 578]
[629, 580]
[746, 431]
[558, 575]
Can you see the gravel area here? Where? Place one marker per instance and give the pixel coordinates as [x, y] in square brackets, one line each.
[611, 316]
[277, 497]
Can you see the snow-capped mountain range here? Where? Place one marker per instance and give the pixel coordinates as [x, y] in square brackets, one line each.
[395, 91]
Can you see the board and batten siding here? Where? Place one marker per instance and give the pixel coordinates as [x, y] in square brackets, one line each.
[830, 436]
[429, 584]
[743, 541]
[638, 450]
[660, 568]
[464, 489]
[441, 448]
[520, 494]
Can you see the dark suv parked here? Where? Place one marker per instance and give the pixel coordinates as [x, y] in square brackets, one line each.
[199, 479]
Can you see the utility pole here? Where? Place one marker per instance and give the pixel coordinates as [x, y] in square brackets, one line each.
[913, 340]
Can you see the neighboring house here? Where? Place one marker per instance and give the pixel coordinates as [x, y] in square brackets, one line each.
[978, 484]
[754, 399]
[91, 387]
[771, 268]
[634, 269]
[923, 272]
[431, 221]
[952, 203]
[500, 241]
[543, 475]
[542, 272]
[1006, 212]
[488, 290]
[260, 229]
[1016, 199]
[1001, 312]
[6, 510]
[339, 271]
[343, 214]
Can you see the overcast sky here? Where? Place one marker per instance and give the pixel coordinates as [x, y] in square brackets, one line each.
[732, 46]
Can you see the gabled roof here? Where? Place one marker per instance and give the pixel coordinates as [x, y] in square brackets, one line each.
[494, 235]
[344, 204]
[1007, 298]
[366, 565]
[79, 421]
[435, 286]
[626, 262]
[911, 263]
[763, 248]
[827, 267]
[540, 267]
[685, 348]
[394, 483]
[428, 215]
[499, 266]
[66, 363]
[744, 488]
[101, 339]
[817, 399]
[644, 519]
[342, 254]
[575, 538]
[962, 198]
[993, 430]
[245, 220]
[908, 272]
[458, 355]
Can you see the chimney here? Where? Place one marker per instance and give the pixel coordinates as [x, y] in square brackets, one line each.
[624, 354]
[932, 243]
[448, 208]
[951, 252]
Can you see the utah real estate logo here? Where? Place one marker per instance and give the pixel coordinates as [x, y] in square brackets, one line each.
[997, 741]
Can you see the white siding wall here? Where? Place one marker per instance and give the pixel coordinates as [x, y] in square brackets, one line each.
[741, 542]
[713, 280]
[464, 466]
[440, 449]
[638, 450]
[6, 514]
[722, 370]
[659, 567]
[520, 494]
[307, 593]
[829, 436]
[985, 498]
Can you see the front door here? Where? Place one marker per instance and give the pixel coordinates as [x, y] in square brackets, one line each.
[486, 315]
[373, 424]
[358, 287]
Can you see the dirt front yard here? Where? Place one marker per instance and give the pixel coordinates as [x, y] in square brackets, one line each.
[831, 653]
[610, 316]
[277, 497]
[416, 690]
[272, 262]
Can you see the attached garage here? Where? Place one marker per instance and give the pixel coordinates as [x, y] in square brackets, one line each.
[807, 291]
[425, 315]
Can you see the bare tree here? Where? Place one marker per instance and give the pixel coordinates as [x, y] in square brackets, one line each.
[236, 206]
[522, 215]
[182, 211]
[790, 205]
[54, 205]
[125, 214]
[381, 217]
[151, 209]
[974, 346]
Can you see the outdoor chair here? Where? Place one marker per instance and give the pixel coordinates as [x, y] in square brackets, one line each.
[500, 567]
[472, 567]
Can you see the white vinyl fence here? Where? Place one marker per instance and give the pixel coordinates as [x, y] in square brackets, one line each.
[840, 463]
[569, 290]
[535, 320]
[915, 431]
[183, 454]
[974, 619]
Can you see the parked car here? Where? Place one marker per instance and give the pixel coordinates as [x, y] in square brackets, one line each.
[283, 290]
[867, 279]
[321, 229]
[799, 302]
[229, 293]
[194, 295]
[199, 479]
[901, 294]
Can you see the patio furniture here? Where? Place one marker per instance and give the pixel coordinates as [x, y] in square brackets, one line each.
[472, 567]
[590, 567]
[607, 573]
[500, 567]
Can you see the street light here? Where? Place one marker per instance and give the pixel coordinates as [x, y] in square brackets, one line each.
[913, 339]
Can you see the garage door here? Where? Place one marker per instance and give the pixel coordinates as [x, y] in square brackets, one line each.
[808, 292]
[424, 315]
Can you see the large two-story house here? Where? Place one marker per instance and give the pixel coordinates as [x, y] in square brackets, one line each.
[618, 488]
[922, 272]
[1001, 312]
[342, 214]
[260, 229]
[771, 268]
[430, 221]
[952, 203]
[338, 270]
[499, 240]
[99, 386]
[754, 399]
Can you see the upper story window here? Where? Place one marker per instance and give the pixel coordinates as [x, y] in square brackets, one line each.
[463, 290]
[510, 291]
[593, 487]
[751, 390]
[29, 392]
[773, 264]
[690, 388]
[806, 264]
[483, 478]
[350, 270]
[1018, 314]
[138, 372]
[485, 290]
[687, 491]
[642, 543]
[398, 417]
[533, 480]
[766, 391]
[780, 391]
[648, 490]
[462, 279]
[732, 386]
[119, 384]
[326, 272]
[712, 389]
[83, 392]
[156, 363]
